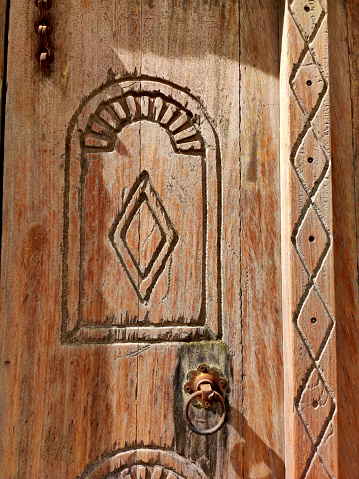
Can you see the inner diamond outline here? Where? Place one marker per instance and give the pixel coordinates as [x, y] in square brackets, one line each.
[310, 209]
[143, 192]
[307, 68]
[143, 199]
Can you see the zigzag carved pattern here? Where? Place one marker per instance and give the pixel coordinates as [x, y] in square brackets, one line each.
[314, 392]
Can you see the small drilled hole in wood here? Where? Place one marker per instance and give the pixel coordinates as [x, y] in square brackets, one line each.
[313, 320]
[311, 239]
[315, 404]
[307, 8]
[310, 159]
[309, 82]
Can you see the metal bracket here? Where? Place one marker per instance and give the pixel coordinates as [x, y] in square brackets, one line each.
[43, 27]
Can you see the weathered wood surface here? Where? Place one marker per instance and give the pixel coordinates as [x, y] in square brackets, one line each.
[84, 409]
[68, 406]
[261, 447]
[343, 30]
[330, 422]
[344, 78]
[307, 242]
[3, 45]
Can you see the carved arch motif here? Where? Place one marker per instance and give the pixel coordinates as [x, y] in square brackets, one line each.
[144, 463]
[112, 116]
[121, 281]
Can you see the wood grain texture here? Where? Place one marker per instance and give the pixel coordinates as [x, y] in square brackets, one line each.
[4, 5]
[343, 48]
[307, 242]
[72, 406]
[261, 449]
[198, 49]
[74, 409]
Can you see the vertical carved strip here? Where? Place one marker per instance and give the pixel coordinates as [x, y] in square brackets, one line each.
[308, 293]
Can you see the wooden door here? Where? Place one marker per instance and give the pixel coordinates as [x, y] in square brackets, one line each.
[160, 212]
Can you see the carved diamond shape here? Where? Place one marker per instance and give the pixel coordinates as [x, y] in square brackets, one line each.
[143, 236]
[316, 407]
[140, 227]
[311, 163]
[307, 14]
[312, 242]
[308, 84]
[315, 324]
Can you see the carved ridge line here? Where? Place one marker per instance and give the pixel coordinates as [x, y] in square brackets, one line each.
[321, 261]
[165, 335]
[124, 232]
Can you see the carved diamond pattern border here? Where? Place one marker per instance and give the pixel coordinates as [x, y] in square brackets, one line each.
[296, 9]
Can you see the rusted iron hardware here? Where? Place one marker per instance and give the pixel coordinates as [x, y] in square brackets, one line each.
[43, 28]
[205, 385]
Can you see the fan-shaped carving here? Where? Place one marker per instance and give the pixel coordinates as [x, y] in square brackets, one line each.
[143, 464]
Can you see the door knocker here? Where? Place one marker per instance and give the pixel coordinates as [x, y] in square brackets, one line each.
[206, 386]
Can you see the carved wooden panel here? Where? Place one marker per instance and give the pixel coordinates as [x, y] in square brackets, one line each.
[145, 464]
[307, 237]
[141, 217]
[126, 232]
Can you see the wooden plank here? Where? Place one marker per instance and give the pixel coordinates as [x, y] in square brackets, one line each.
[74, 404]
[307, 245]
[261, 451]
[198, 50]
[90, 391]
[4, 6]
[343, 35]
[67, 406]
[4, 20]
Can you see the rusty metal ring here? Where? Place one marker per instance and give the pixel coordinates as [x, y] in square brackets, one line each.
[188, 420]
